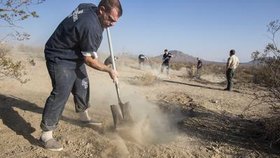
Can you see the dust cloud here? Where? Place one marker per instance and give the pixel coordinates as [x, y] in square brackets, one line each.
[151, 125]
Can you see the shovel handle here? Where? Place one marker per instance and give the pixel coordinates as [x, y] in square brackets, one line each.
[111, 48]
[113, 61]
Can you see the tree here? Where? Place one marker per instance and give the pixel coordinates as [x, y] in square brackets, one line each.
[268, 73]
[10, 68]
[12, 11]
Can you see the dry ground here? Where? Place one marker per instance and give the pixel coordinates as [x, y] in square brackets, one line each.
[174, 117]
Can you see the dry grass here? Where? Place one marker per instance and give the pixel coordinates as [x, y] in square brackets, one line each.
[178, 66]
[9, 68]
[244, 74]
[146, 79]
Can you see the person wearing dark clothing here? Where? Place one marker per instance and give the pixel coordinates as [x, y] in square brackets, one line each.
[108, 60]
[141, 59]
[71, 47]
[198, 68]
[165, 61]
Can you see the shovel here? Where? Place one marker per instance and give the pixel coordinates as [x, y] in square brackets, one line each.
[121, 114]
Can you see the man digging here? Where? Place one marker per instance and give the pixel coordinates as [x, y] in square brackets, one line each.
[73, 45]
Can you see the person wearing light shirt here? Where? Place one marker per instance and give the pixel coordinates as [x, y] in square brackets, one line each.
[232, 64]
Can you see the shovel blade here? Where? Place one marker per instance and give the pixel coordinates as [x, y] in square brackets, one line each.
[117, 117]
[122, 115]
[126, 112]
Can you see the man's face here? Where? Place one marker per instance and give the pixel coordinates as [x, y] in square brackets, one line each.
[108, 18]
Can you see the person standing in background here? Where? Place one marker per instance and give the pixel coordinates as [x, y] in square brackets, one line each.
[108, 60]
[141, 59]
[232, 64]
[165, 61]
[198, 68]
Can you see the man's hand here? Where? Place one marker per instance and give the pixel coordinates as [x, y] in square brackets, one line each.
[94, 63]
[114, 75]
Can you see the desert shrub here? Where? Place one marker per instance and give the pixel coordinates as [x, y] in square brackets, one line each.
[177, 65]
[11, 68]
[189, 65]
[144, 80]
[148, 79]
[32, 62]
[12, 11]
[4, 50]
[244, 74]
[272, 126]
[268, 67]
[190, 68]
[191, 71]
[217, 69]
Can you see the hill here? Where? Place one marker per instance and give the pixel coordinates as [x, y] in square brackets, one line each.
[178, 56]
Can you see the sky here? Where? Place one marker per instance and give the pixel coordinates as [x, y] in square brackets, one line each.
[207, 29]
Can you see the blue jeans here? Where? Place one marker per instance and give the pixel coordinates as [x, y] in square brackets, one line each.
[65, 80]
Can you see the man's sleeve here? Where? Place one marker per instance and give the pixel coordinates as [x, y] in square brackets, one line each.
[228, 62]
[93, 54]
[89, 40]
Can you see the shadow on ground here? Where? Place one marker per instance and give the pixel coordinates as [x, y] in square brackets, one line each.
[197, 85]
[13, 120]
[219, 128]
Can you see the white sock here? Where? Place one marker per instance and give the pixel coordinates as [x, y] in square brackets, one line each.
[84, 116]
[46, 135]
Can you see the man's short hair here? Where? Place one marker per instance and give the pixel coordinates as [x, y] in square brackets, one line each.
[110, 4]
[165, 50]
[232, 52]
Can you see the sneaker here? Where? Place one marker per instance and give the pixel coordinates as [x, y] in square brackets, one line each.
[91, 122]
[52, 145]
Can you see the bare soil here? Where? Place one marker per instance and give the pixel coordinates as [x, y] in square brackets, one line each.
[175, 117]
